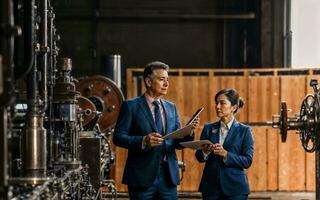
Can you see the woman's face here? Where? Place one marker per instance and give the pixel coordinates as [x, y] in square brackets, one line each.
[224, 109]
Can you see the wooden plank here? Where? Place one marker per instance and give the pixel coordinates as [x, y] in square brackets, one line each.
[194, 86]
[273, 138]
[291, 156]
[310, 172]
[193, 173]
[121, 157]
[130, 83]
[176, 95]
[257, 173]
[142, 86]
[213, 81]
[263, 98]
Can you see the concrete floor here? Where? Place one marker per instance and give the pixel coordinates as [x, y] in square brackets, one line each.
[252, 196]
[285, 195]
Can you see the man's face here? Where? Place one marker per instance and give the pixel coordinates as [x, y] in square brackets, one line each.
[158, 83]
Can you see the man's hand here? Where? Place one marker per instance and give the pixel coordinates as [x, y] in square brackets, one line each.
[195, 124]
[152, 140]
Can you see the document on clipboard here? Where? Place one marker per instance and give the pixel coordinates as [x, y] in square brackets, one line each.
[180, 133]
[195, 115]
[196, 144]
[185, 131]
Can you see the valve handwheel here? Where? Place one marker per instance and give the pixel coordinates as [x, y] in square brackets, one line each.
[308, 115]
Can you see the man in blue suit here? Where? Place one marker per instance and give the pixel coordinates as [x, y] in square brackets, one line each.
[232, 150]
[151, 170]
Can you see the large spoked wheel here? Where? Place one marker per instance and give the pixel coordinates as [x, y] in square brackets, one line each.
[308, 132]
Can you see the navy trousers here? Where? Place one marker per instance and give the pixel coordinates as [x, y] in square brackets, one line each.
[162, 188]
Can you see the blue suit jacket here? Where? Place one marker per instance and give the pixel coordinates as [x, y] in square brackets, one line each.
[229, 173]
[135, 121]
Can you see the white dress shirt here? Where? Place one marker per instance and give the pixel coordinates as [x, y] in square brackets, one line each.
[223, 132]
[224, 129]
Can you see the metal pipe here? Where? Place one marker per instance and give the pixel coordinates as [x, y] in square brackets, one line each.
[32, 88]
[7, 32]
[29, 52]
[1, 77]
[34, 138]
[34, 154]
[52, 147]
[112, 68]
[4, 152]
[29, 40]
[44, 53]
[287, 34]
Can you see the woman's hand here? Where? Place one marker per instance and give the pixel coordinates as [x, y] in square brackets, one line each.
[207, 148]
[219, 150]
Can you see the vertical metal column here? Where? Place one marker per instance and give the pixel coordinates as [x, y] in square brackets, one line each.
[34, 155]
[3, 140]
[8, 31]
[3, 152]
[287, 34]
[111, 67]
[44, 49]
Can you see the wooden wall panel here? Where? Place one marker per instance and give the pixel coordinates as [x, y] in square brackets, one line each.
[257, 173]
[263, 98]
[292, 159]
[310, 172]
[121, 157]
[194, 86]
[273, 138]
[176, 95]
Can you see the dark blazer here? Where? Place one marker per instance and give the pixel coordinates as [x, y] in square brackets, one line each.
[229, 173]
[135, 121]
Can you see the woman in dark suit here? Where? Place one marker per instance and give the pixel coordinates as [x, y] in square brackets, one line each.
[231, 152]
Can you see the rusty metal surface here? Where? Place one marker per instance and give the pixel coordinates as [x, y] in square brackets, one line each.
[88, 109]
[110, 93]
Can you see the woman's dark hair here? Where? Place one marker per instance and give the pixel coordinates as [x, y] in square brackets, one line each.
[233, 96]
[150, 67]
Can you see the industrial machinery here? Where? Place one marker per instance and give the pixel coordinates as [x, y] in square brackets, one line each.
[54, 130]
[307, 125]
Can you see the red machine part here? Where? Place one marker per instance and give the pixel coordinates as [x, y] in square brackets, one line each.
[109, 92]
[88, 109]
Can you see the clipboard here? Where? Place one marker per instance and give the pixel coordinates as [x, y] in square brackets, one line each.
[185, 131]
[195, 115]
[180, 133]
[196, 144]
